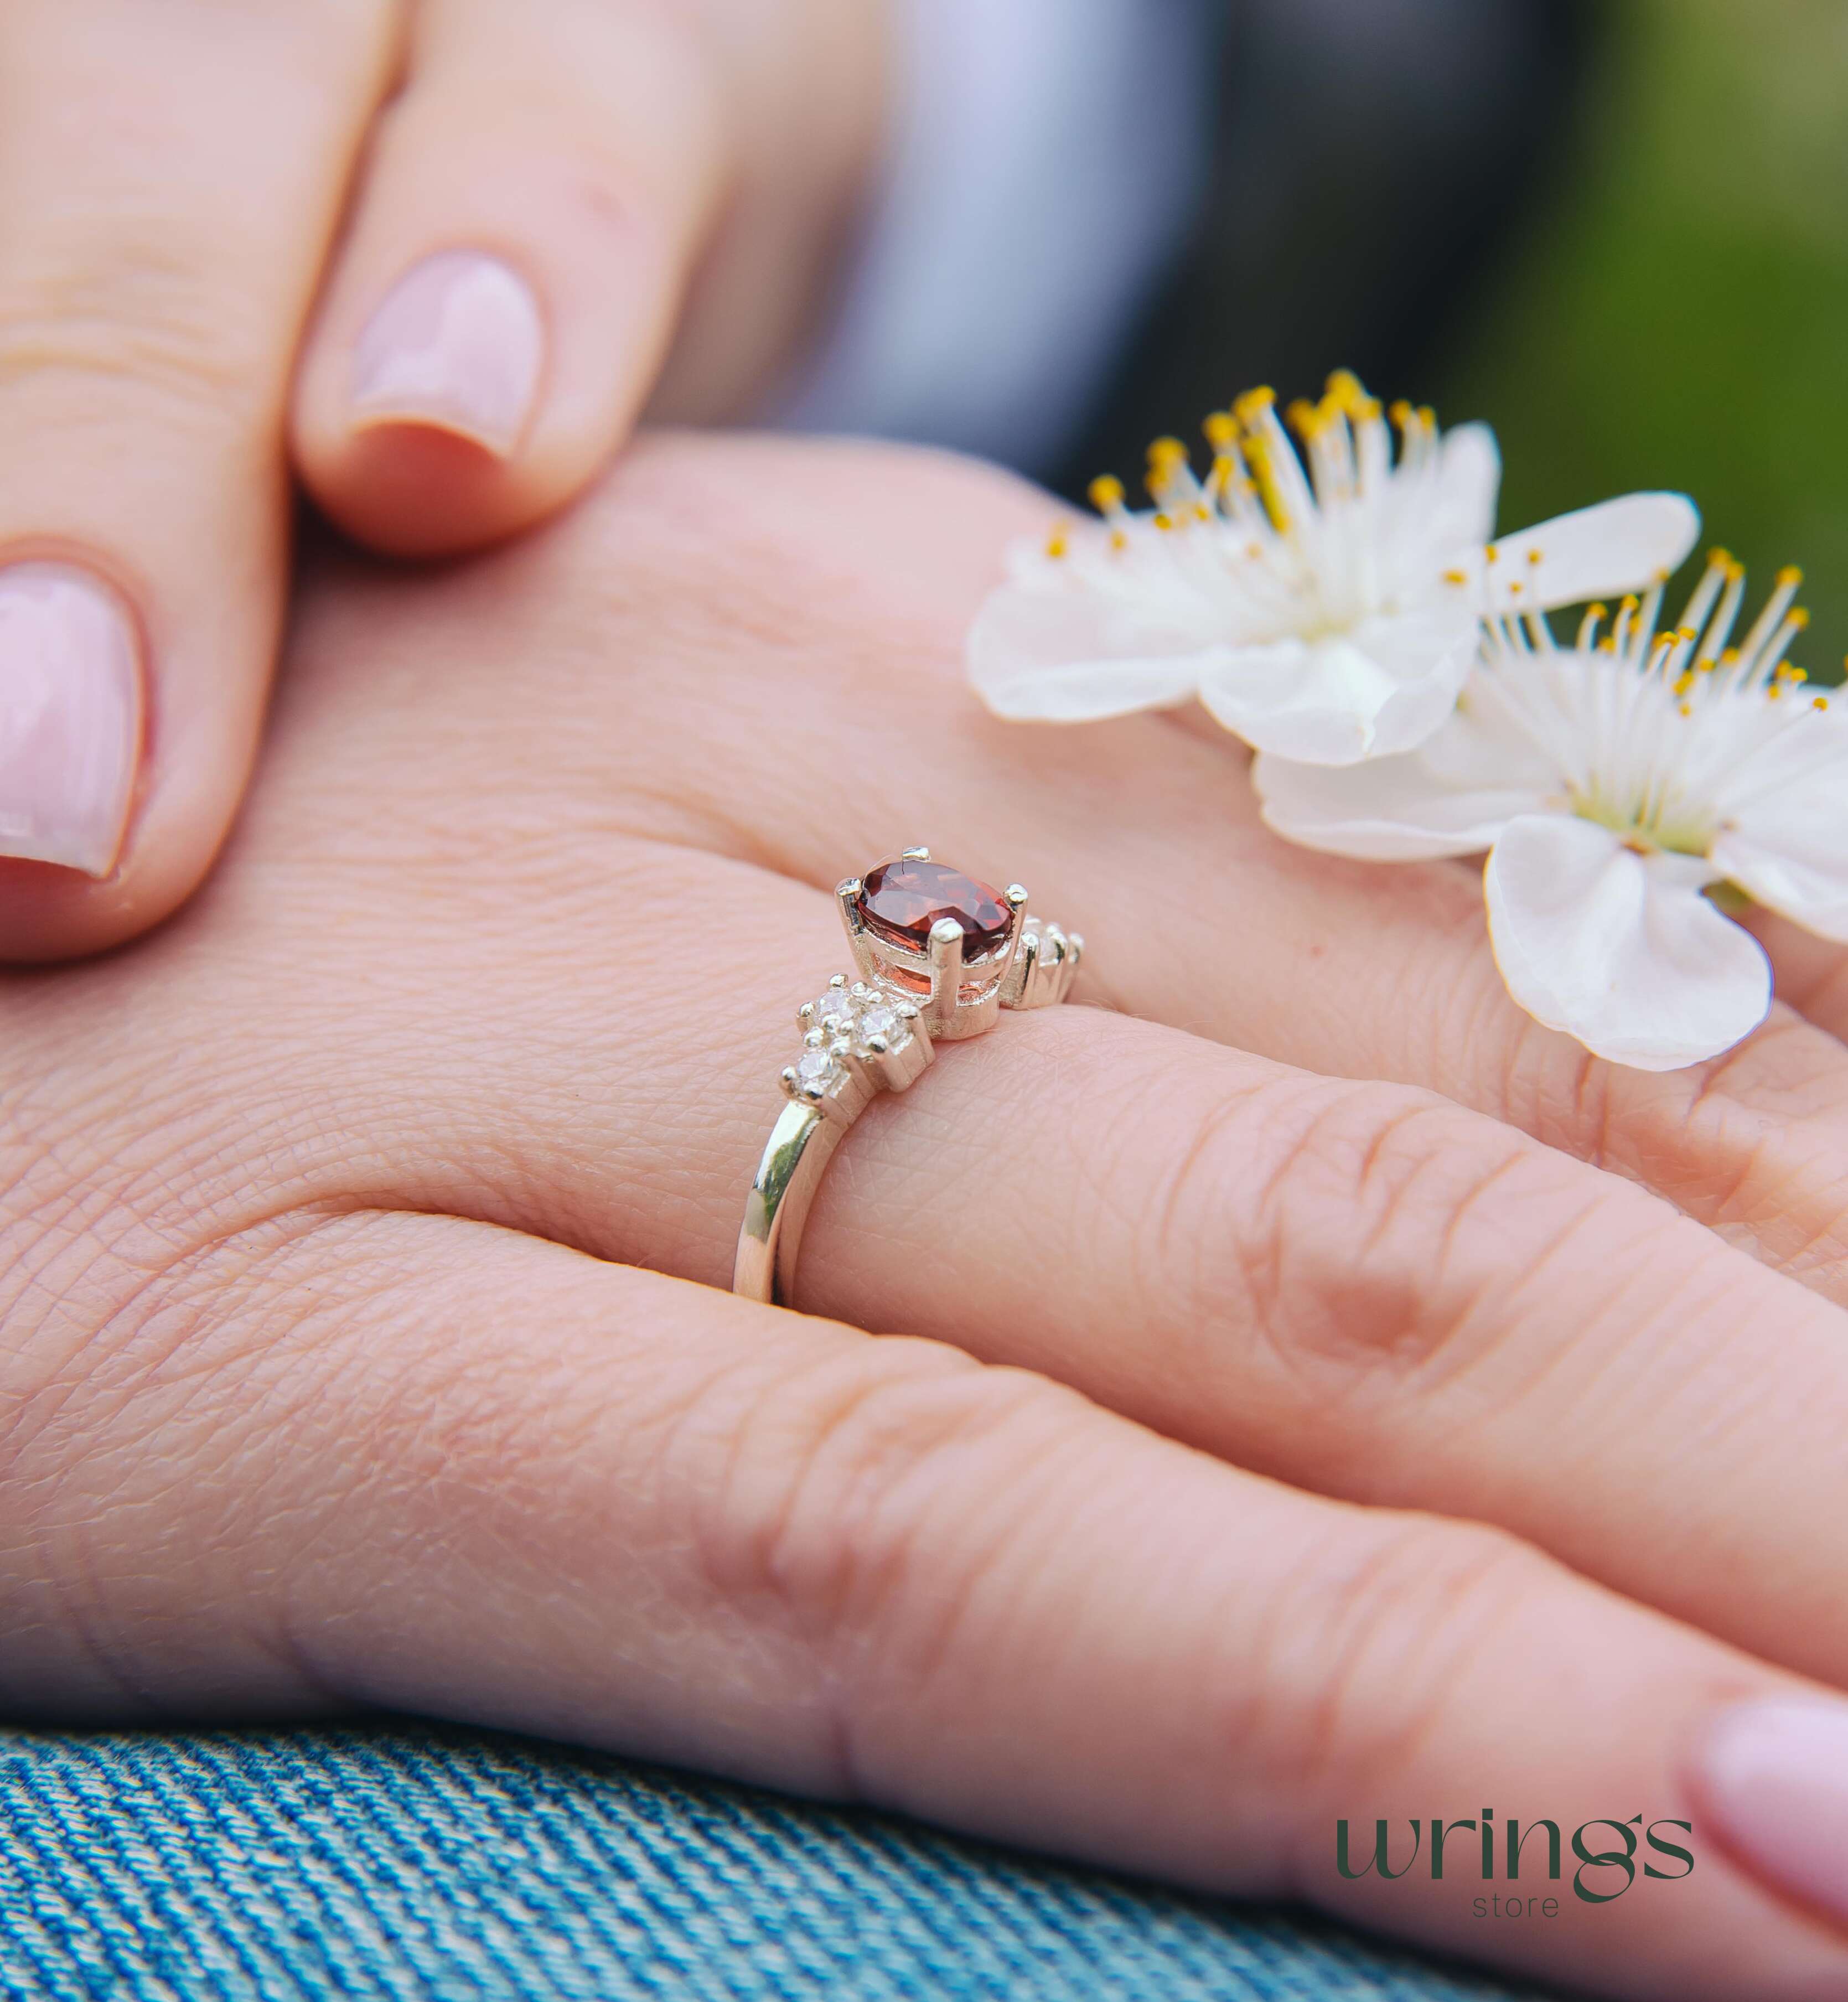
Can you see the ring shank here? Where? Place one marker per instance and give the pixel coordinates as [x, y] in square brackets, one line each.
[795, 1158]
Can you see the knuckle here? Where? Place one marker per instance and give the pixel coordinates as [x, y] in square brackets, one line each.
[1379, 1638]
[126, 311]
[1729, 1141]
[135, 282]
[1354, 1227]
[863, 1492]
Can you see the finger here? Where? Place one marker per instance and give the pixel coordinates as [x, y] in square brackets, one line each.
[1197, 915]
[1369, 1291]
[418, 1463]
[158, 244]
[532, 206]
[534, 210]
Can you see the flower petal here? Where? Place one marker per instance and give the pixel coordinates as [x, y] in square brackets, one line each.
[1469, 480]
[1038, 655]
[1381, 687]
[1313, 701]
[1428, 654]
[1787, 845]
[1620, 546]
[1452, 796]
[1621, 951]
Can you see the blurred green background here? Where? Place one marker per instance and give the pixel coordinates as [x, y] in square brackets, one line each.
[1679, 317]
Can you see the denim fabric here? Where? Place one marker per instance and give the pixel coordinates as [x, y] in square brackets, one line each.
[427, 1863]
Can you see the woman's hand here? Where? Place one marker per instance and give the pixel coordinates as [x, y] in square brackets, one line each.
[1362, 1456]
[429, 257]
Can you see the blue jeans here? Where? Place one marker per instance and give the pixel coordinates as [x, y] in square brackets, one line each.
[421, 1862]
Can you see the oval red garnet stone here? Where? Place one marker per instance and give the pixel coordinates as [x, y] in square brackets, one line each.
[901, 899]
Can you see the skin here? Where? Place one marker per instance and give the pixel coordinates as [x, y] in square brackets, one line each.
[203, 203]
[1290, 1388]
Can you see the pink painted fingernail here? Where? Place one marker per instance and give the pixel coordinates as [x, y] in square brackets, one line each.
[1774, 1779]
[70, 717]
[457, 342]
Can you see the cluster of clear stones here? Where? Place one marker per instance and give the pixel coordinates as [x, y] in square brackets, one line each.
[847, 1022]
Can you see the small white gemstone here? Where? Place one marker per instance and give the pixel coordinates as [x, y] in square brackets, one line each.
[815, 1070]
[882, 1021]
[835, 1010]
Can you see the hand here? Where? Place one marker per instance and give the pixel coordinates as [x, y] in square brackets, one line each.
[430, 258]
[362, 1227]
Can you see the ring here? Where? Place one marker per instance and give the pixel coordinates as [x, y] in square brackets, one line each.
[939, 956]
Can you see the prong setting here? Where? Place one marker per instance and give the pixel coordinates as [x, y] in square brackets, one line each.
[875, 1032]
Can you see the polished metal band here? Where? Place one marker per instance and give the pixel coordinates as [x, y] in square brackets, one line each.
[801, 1145]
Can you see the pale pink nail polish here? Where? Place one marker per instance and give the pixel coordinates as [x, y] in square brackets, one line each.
[70, 717]
[457, 342]
[1773, 1777]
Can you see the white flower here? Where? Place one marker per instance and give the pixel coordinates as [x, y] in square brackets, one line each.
[1328, 615]
[1612, 782]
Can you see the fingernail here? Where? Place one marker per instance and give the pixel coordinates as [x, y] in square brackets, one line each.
[70, 717]
[1774, 1778]
[457, 342]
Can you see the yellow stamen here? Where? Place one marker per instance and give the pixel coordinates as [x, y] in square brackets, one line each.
[1167, 457]
[1251, 408]
[1258, 456]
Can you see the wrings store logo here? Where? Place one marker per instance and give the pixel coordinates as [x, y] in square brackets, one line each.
[1607, 1852]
